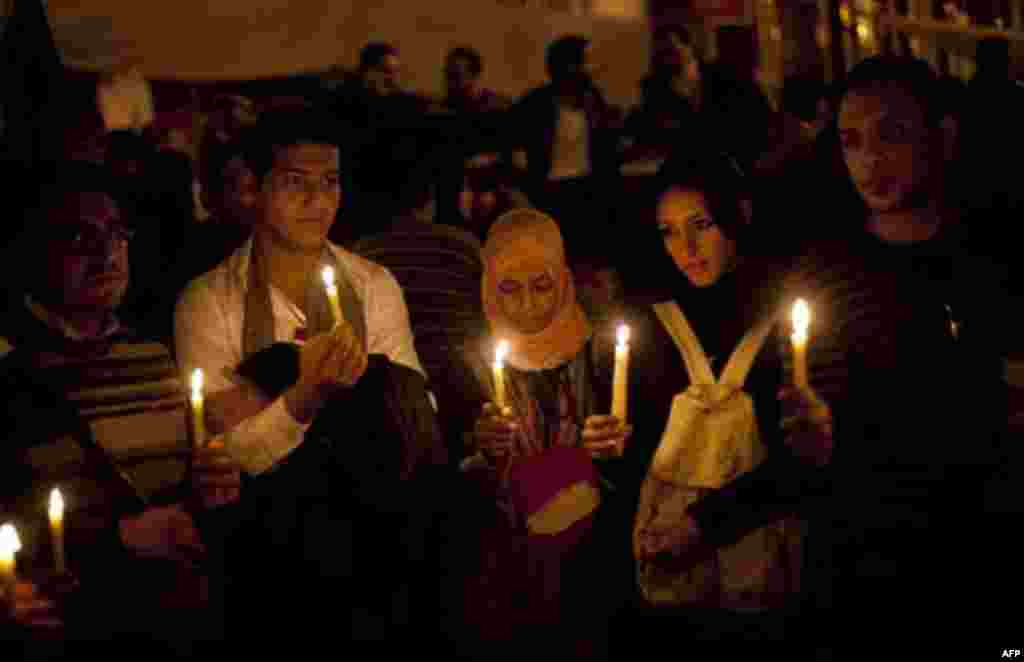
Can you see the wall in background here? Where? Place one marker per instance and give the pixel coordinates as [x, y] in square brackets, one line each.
[246, 39]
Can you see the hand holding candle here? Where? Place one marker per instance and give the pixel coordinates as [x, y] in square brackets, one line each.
[332, 294]
[57, 530]
[499, 375]
[198, 411]
[10, 544]
[620, 383]
[801, 320]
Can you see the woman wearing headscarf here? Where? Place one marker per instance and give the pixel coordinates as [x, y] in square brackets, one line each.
[534, 462]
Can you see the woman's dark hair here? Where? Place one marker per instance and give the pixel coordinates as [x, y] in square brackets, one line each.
[469, 54]
[717, 176]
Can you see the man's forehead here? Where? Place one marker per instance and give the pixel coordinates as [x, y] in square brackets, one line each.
[308, 156]
[878, 103]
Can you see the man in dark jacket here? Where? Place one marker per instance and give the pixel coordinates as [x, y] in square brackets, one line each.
[892, 482]
[564, 130]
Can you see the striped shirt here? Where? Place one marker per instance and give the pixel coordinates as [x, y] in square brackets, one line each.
[439, 269]
[125, 396]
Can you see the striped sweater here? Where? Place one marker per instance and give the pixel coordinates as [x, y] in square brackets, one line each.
[100, 420]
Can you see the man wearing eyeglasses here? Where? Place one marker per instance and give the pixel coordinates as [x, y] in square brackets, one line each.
[89, 407]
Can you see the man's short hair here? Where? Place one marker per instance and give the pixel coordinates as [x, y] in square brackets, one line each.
[471, 55]
[913, 76]
[286, 128]
[374, 53]
[566, 54]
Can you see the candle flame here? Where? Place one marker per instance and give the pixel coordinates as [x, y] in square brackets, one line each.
[328, 275]
[56, 506]
[864, 31]
[622, 335]
[9, 541]
[501, 352]
[197, 384]
[801, 319]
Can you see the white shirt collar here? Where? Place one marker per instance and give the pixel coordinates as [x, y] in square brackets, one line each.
[238, 263]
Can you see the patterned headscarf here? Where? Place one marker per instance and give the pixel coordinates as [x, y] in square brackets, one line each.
[528, 234]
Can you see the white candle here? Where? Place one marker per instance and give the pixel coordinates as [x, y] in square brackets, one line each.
[57, 530]
[499, 375]
[198, 409]
[620, 383]
[9, 546]
[332, 294]
[801, 320]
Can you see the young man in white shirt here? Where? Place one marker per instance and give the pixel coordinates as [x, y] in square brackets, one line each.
[269, 290]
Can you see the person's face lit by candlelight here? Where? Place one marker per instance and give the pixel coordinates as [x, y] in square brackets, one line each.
[695, 242]
[528, 294]
[888, 148]
[300, 195]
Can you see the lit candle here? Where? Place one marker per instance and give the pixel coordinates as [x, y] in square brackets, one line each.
[332, 294]
[198, 413]
[57, 530]
[801, 320]
[620, 382]
[499, 375]
[9, 546]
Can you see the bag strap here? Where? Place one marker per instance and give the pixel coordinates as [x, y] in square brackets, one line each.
[742, 359]
[674, 321]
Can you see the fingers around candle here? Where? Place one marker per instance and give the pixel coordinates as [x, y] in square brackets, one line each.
[599, 421]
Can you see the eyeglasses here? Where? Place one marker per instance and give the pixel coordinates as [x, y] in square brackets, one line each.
[89, 240]
[293, 182]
